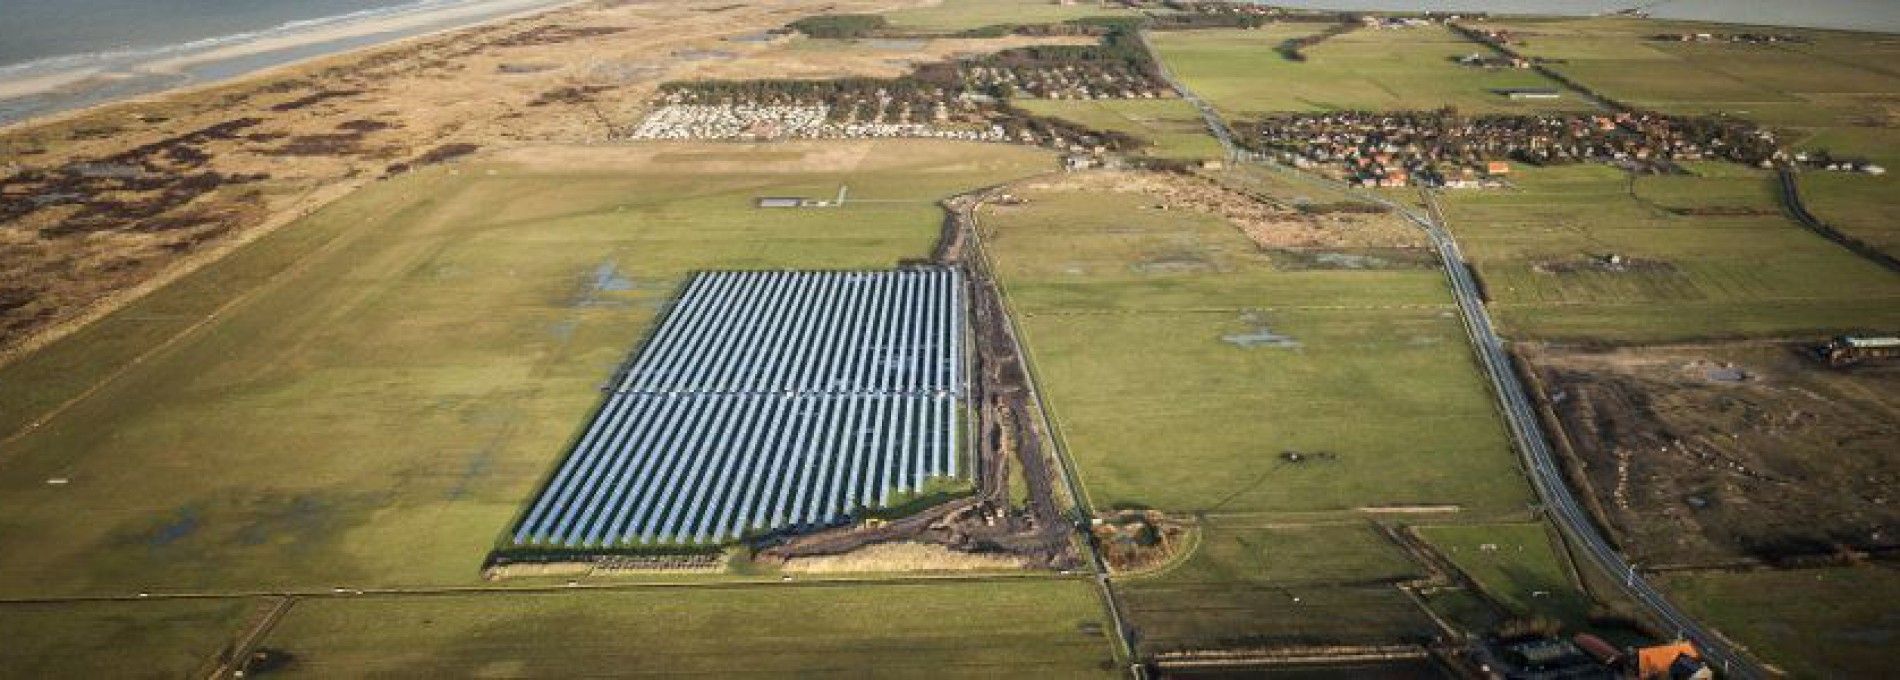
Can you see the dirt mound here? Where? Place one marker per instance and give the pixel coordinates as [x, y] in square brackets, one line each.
[890, 557]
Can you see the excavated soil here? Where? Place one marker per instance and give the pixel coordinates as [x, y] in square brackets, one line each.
[1708, 455]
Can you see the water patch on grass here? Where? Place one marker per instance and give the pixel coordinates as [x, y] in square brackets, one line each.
[302, 519]
[760, 37]
[605, 279]
[1260, 336]
[477, 467]
[181, 525]
[703, 55]
[1349, 261]
[902, 44]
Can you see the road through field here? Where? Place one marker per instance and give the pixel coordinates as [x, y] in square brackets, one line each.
[1559, 502]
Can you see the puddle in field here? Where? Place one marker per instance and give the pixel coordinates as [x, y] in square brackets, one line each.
[1350, 261]
[605, 279]
[184, 524]
[902, 44]
[1173, 265]
[1260, 336]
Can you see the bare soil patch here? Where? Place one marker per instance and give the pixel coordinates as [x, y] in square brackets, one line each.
[1705, 455]
[900, 557]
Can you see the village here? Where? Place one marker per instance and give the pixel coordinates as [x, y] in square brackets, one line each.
[1444, 149]
[966, 99]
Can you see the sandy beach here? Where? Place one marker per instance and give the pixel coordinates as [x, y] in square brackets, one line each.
[33, 91]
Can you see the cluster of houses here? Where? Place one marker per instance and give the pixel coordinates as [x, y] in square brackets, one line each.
[1822, 160]
[1394, 23]
[1588, 657]
[746, 121]
[1064, 82]
[1491, 61]
[820, 121]
[1744, 38]
[1497, 36]
[1441, 148]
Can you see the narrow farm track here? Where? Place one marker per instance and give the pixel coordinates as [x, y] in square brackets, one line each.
[980, 267]
[1560, 503]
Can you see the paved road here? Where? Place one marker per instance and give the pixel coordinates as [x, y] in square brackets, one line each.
[1526, 429]
[1791, 200]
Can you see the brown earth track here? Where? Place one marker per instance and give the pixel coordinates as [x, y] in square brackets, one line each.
[1005, 427]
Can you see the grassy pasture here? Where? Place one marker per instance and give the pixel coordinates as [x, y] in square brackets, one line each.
[1833, 93]
[1200, 616]
[1233, 550]
[151, 639]
[1731, 275]
[1173, 127]
[1814, 623]
[1047, 628]
[1517, 565]
[1238, 71]
[1145, 329]
[393, 375]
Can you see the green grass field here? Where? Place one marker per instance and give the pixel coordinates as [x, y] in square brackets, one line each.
[151, 639]
[1829, 94]
[1172, 127]
[1150, 333]
[1516, 565]
[1252, 584]
[1238, 71]
[368, 396]
[1814, 623]
[1180, 362]
[1236, 550]
[1044, 628]
[1698, 276]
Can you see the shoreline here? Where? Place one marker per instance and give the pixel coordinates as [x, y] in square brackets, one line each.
[83, 89]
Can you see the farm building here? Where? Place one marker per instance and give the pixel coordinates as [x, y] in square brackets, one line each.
[767, 401]
[1851, 349]
[1673, 661]
[779, 202]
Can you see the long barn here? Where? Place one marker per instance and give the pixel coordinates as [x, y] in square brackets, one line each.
[767, 400]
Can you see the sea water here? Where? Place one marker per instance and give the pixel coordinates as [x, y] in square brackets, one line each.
[95, 50]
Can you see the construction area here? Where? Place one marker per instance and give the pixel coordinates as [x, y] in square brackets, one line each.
[1710, 455]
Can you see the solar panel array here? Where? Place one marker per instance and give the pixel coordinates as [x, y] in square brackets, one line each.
[767, 400]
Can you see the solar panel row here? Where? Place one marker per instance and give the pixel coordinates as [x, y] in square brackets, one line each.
[767, 400]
